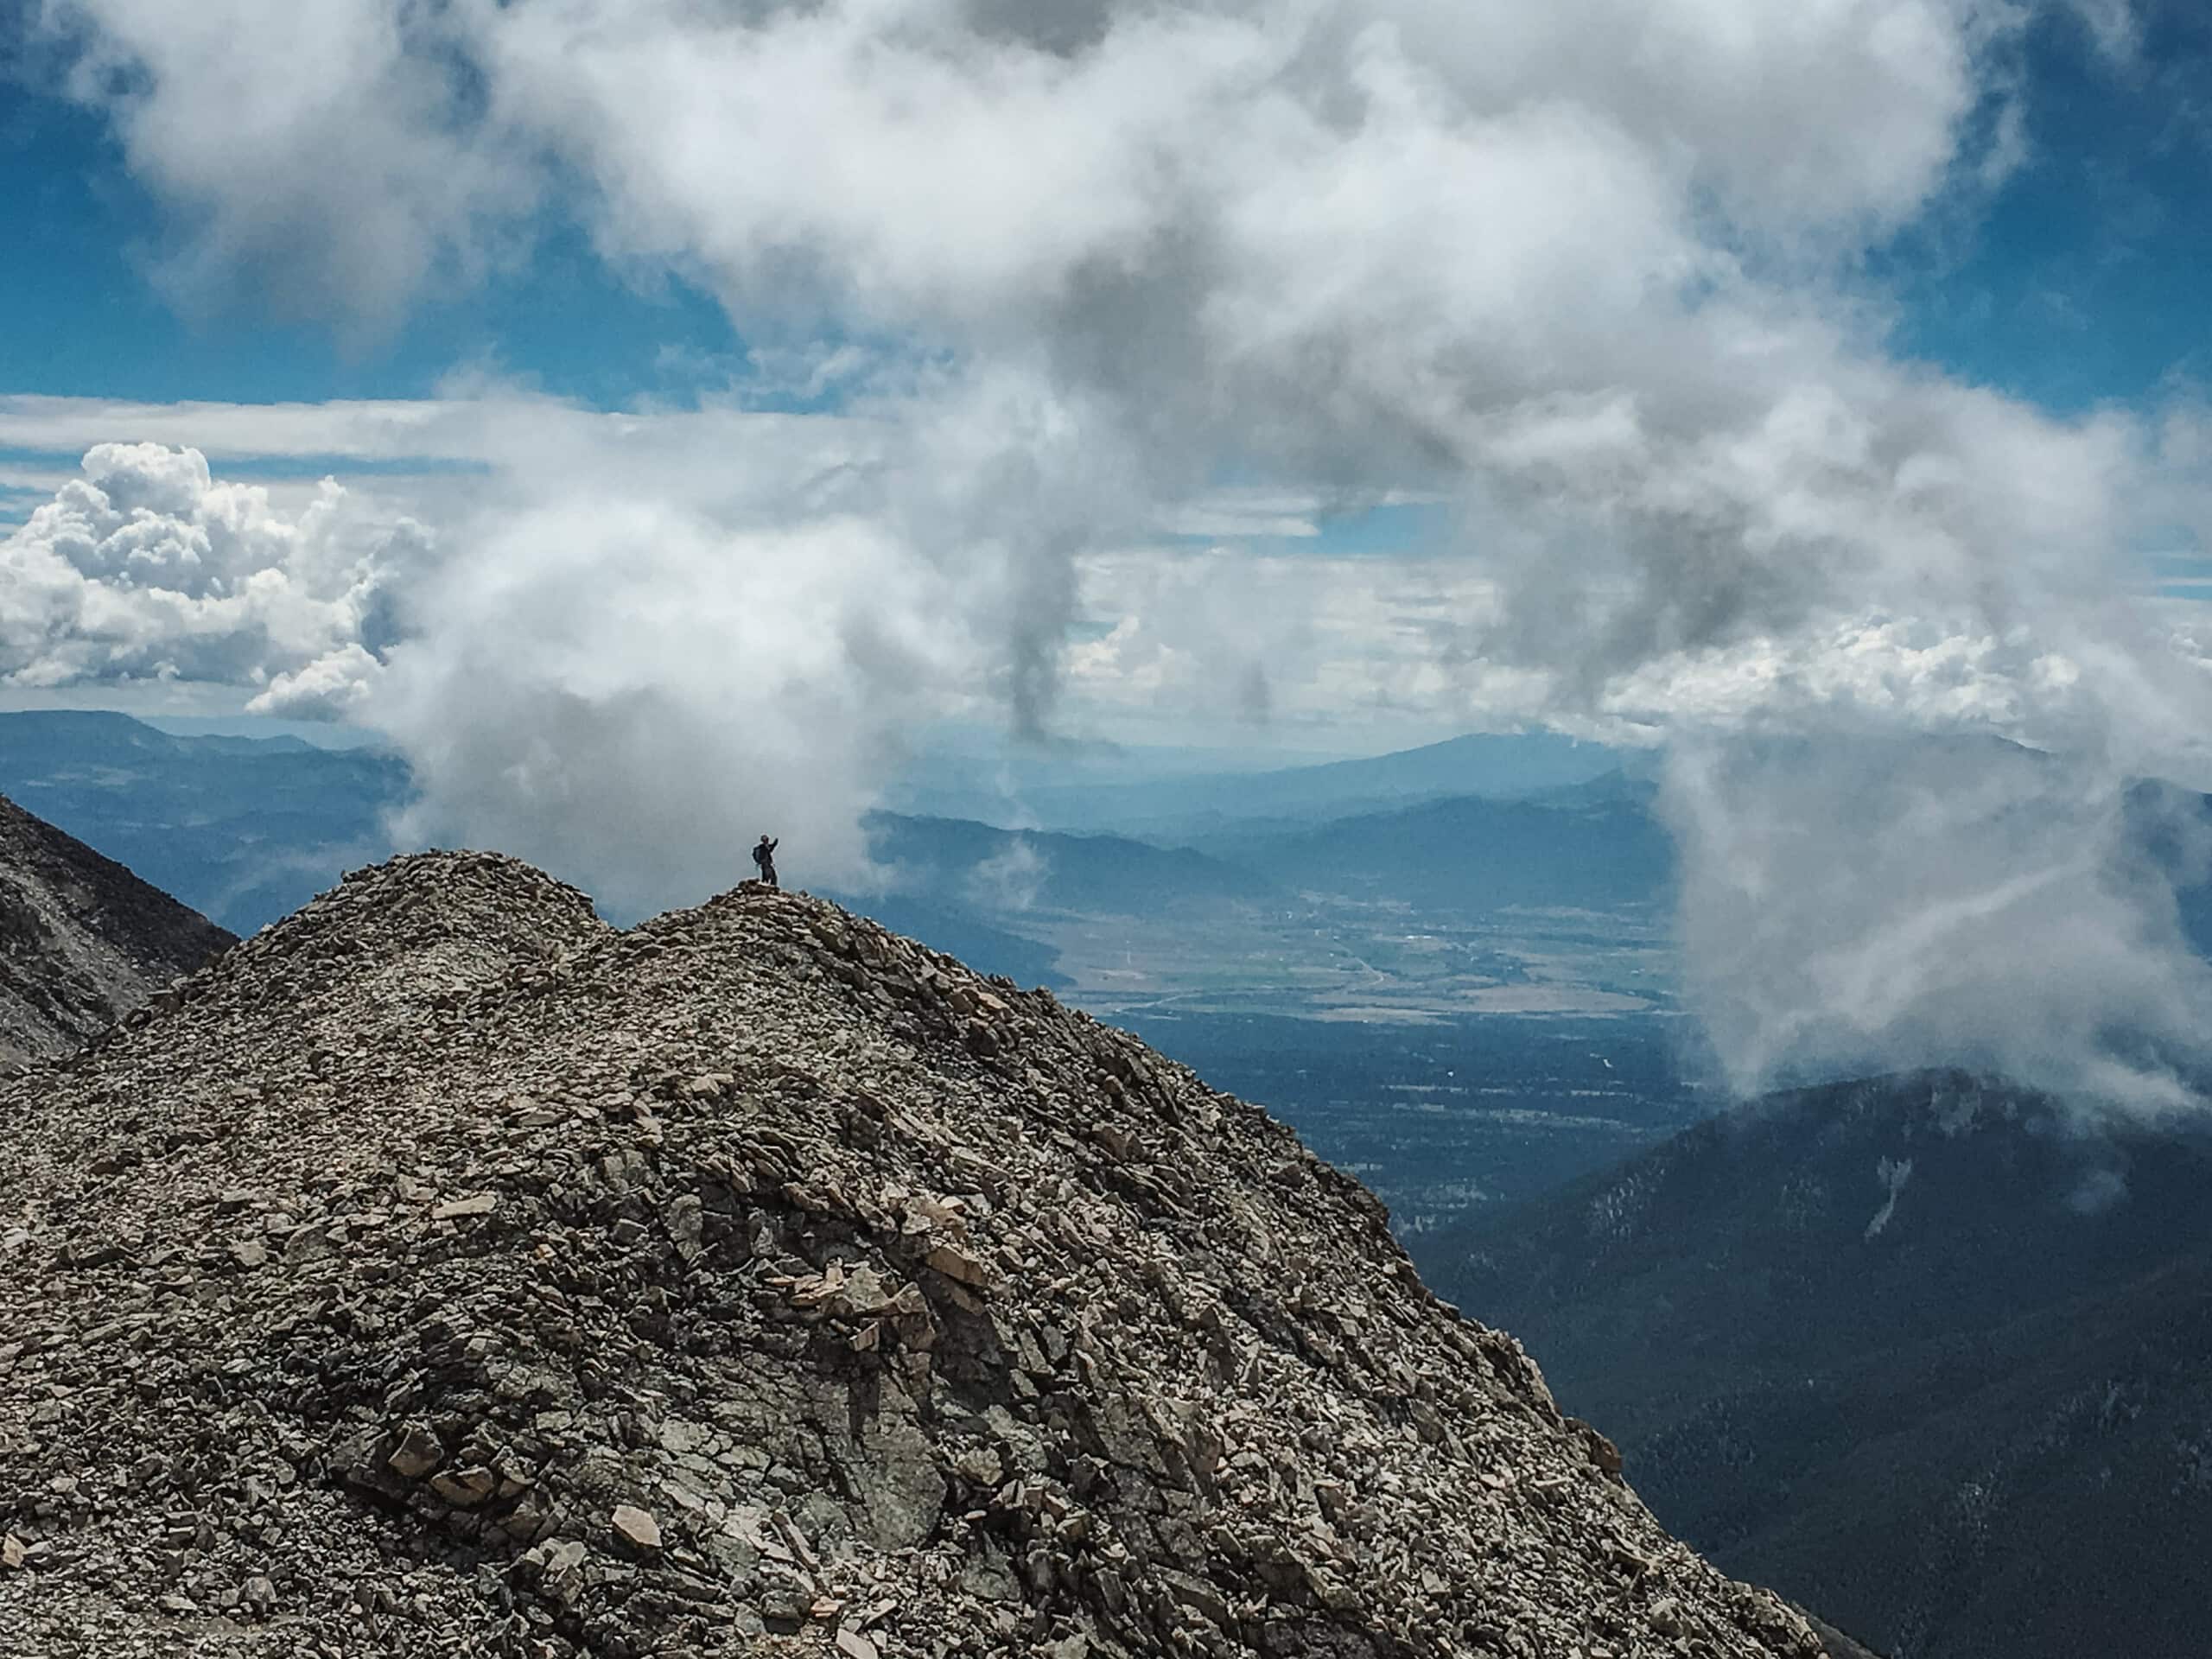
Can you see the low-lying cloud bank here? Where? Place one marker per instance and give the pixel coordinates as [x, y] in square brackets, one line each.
[1581, 277]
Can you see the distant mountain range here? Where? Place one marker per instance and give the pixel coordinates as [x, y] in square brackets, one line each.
[971, 888]
[245, 829]
[1918, 1352]
[988, 868]
[1594, 846]
[1188, 808]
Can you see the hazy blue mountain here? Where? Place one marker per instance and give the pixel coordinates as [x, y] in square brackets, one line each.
[246, 829]
[970, 888]
[1622, 786]
[1915, 1352]
[243, 830]
[1473, 853]
[983, 773]
[979, 868]
[1181, 807]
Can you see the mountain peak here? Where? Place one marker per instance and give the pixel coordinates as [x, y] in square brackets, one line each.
[450, 1271]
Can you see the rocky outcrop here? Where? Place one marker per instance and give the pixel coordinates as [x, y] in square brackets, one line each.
[448, 1273]
[82, 941]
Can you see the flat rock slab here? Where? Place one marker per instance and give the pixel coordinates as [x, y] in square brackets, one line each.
[477, 1203]
[636, 1527]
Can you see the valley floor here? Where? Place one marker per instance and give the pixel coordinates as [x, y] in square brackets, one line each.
[1450, 1059]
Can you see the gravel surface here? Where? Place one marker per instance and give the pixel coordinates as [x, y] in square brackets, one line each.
[448, 1273]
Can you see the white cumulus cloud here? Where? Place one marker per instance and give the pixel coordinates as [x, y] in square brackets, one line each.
[148, 567]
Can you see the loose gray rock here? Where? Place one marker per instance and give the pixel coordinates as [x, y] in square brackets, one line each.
[714, 1288]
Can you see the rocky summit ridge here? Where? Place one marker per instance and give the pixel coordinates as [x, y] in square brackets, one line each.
[83, 941]
[446, 1272]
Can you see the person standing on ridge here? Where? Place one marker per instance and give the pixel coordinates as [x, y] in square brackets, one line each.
[764, 854]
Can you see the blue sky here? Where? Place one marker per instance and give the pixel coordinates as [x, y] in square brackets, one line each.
[2083, 277]
[88, 316]
[2080, 279]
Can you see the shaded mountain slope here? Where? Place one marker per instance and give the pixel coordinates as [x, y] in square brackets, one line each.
[451, 1273]
[1914, 1351]
[82, 940]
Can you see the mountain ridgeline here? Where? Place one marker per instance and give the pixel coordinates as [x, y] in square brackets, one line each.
[247, 829]
[447, 1271]
[1929, 1354]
